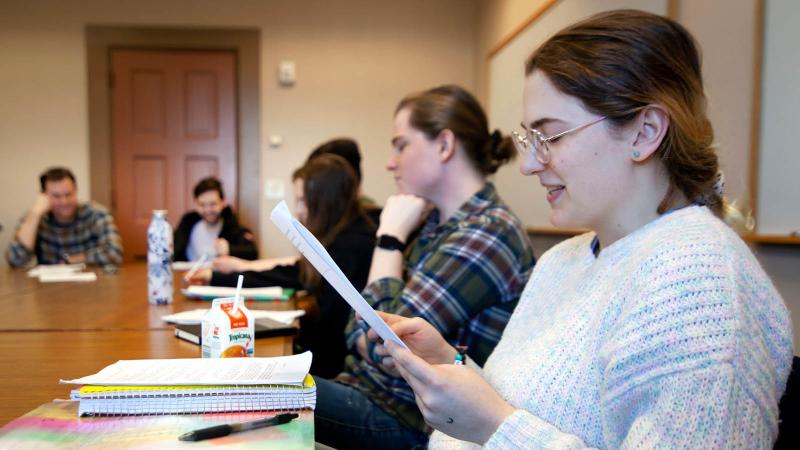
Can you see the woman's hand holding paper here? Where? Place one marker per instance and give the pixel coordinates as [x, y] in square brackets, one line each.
[453, 399]
[418, 335]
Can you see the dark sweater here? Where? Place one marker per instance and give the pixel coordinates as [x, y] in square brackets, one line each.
[239, 238]
[324, 335]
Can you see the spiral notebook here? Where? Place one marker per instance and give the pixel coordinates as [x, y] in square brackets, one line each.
[186, 386]
[152, 400]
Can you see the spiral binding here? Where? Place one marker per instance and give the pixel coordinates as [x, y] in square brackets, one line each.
[159, 400]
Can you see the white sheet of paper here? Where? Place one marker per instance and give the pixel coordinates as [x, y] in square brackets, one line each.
[316, 254]
[185, 266]
[59, 277]
[225, 291]
[56, 268]
[196, 316]
[202, 371]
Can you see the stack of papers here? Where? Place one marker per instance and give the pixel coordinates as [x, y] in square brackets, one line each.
[212, 292]
[62, 273]
[195, 316]
[172, 386]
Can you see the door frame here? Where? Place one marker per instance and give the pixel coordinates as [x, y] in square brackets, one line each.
[100, 40]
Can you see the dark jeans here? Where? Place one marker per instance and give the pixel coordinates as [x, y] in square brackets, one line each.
[346, 419]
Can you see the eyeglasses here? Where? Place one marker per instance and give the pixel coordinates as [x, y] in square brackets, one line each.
[536, 143]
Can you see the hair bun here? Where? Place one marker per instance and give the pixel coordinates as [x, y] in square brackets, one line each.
[495, 139]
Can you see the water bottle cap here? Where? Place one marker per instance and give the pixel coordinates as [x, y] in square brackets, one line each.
[159, 213]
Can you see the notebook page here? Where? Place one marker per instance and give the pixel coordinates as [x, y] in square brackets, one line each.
[200, 371]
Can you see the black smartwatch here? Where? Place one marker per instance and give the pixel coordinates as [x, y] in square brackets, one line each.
[389, 242]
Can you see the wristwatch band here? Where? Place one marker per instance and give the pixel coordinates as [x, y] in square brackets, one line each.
[389, 242]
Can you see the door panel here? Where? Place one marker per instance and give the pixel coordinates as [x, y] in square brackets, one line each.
[201, 105]
[148, 103]
[174, 123]
[150, 178]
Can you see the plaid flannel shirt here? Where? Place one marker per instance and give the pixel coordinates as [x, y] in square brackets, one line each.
[92, 233]
[463, 276]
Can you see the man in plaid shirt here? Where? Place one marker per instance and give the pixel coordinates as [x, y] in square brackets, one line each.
[58, 229]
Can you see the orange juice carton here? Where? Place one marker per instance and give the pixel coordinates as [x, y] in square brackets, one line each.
[227, 333]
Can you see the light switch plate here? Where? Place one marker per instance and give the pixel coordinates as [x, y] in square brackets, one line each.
[286, 73]
[273, 189]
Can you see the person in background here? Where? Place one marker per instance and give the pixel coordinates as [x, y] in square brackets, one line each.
[657, 329]
[346, 148]
[59, 229]
[327, 203]
[212, 229]
[463, 272]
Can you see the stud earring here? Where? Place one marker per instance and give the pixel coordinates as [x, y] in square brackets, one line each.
[636, 154]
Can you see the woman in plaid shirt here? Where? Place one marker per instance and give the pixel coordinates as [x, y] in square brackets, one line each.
[463, 272]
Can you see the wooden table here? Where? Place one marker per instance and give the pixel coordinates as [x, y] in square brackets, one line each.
[52, 331]
[113, 302]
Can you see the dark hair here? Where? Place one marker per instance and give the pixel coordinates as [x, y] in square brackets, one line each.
[453, 108]
[330, 188]
[617, 61]
[55, 174]
[208, 184]
[346, 148]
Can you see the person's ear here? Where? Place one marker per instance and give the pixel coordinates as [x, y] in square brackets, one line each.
[650, 127]
[447, 145]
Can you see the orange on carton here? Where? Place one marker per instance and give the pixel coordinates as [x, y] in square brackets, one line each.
[227, 333]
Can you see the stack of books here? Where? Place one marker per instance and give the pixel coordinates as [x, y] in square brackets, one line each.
[188, 386]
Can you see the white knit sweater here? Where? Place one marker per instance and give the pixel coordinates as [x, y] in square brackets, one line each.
[673, 337]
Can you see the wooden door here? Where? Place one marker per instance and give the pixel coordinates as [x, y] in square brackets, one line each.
[173, 123]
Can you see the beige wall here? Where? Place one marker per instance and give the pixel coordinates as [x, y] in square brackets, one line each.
[498, 19]
[728, 51]
[355, 59]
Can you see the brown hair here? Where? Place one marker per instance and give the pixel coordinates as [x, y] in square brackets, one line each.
[55, 174]
[330, 188]
[208, 184]
[346, 148]
[617, 61]
[453, 108]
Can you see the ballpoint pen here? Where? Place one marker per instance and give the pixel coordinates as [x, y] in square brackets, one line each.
[194, 268]
[224, 430]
